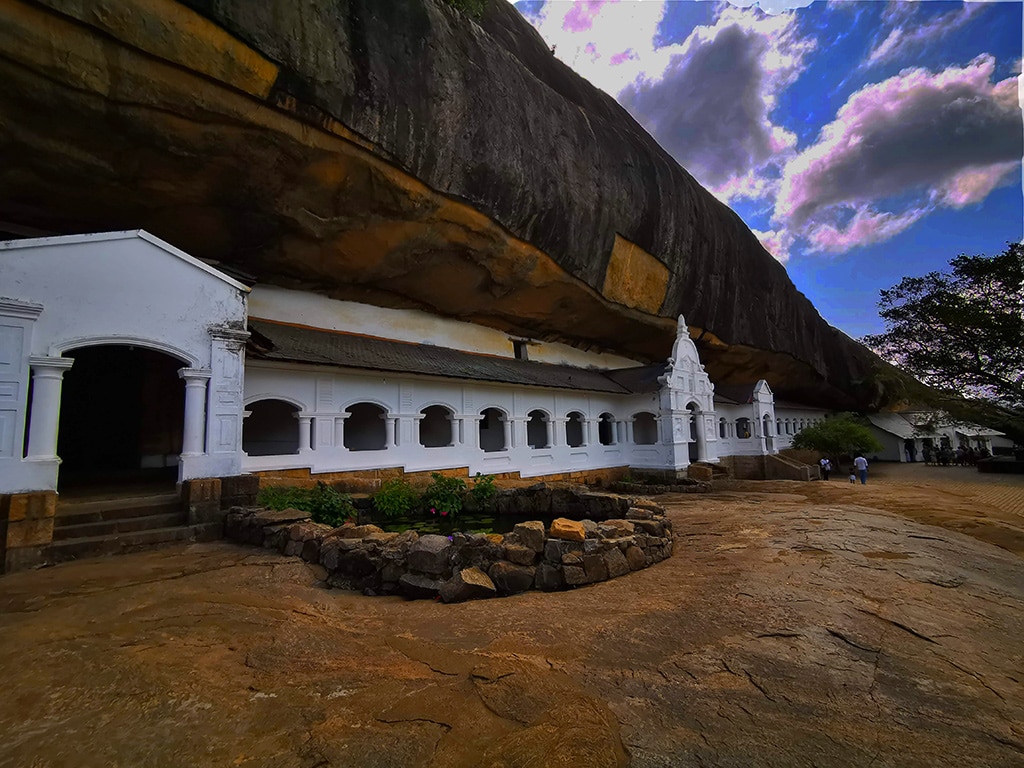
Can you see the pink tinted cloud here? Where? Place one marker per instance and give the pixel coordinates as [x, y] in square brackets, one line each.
[865, 228]
[621, 56]
[918, 131]
[581, 17]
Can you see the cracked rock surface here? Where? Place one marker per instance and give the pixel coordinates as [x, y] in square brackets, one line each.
[797, 624]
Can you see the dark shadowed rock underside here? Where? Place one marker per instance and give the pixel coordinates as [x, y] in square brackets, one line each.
[402, 154]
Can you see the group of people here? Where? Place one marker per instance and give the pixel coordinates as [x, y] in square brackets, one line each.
[963, 456]
[858, 470]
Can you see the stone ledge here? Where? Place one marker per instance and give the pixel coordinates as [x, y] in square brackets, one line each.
[465, 566]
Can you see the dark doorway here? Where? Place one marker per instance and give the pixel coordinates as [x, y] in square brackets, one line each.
[121, 416]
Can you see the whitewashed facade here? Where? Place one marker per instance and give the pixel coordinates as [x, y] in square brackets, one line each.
[62, 295]
[119, 306]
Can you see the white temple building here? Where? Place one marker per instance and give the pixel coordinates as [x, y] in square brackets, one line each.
[121, 358]
[119, 353]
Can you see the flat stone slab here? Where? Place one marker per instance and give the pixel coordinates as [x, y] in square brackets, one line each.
[821, 624]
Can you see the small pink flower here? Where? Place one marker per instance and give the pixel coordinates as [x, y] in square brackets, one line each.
[444, 512]
[433, 511]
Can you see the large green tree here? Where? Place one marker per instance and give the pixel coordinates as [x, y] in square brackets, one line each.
[961, 330]
[839, 437]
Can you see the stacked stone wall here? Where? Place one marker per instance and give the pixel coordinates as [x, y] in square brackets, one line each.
[465, 566]
[370, 480]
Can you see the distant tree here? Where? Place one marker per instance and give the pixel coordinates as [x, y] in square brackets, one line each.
[841, 436]
[961, 331]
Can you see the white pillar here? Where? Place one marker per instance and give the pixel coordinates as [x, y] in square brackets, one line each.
[339, 430]
[47, 375]
[590, 432]
[557, 432]
[194, 432]
[389, 432]
[469, 429]
[628, 423]
[305, 432]
[506, 426]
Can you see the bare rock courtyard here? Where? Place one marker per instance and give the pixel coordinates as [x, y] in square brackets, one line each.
[797, 624]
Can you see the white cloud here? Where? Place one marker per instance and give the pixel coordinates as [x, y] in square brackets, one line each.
[907, 36]
[934, 139]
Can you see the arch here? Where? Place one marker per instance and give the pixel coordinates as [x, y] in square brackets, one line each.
[121, 415]
[298, 405]
[574, 429]
[537, 429]
[366, 401]
[493, 423]
[155, 345]
[769, 440]
[695, 448]
[645, 428]
[743, 430]
[722, 428]
[271, 428]
[366, 428]
[436, 426]
[606, 429]
[778, 426]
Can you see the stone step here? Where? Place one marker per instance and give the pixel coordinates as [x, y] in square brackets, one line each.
[102, 510]
[62, 531]
[121, 543]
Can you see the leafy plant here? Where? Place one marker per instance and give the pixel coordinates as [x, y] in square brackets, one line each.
[444, 495]
[395, 498]
[483, 490]
[329, 506]
[961, 330]
[837, 437]
[325, 504]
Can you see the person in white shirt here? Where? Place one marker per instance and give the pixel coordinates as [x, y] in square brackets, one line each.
[861, 464]
[826, 467]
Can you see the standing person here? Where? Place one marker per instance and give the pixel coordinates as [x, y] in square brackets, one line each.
[861, 465]
[826, 467]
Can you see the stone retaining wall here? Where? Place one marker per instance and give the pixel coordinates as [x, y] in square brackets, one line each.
[690, 486]
[464, 566]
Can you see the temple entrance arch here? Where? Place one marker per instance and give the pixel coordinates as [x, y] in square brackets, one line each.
[696, 442]
[122, 414]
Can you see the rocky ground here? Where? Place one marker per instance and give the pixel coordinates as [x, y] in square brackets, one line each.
[796, 625]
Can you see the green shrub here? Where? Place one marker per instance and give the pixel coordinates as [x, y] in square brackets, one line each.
[444, 495]
[839, 437]
[395, 498]
[483, 491]
[324, 504]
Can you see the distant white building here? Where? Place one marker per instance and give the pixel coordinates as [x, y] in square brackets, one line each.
[905, 435]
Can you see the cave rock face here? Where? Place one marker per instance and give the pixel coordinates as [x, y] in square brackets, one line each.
[397, 153]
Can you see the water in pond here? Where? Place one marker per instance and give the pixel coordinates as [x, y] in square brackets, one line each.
[467, 522]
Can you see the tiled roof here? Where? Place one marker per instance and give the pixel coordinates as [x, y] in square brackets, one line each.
[734, 393]
[640, 380]
[298, 344]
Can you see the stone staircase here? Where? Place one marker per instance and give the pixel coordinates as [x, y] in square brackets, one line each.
[94, 527]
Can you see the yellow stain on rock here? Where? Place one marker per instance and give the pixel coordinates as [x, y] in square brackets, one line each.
[635, 278]
[173, 32]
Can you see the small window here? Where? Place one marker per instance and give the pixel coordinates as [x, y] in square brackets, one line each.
[521, 349]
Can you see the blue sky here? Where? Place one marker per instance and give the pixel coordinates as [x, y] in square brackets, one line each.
[862, 141]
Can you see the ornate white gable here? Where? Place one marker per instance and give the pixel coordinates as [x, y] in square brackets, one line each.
[687, 403]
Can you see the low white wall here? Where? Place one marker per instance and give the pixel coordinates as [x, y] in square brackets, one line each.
[323, 395]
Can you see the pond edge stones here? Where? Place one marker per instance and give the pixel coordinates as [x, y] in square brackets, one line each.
[464, 566]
